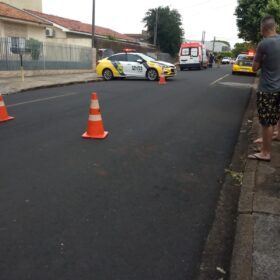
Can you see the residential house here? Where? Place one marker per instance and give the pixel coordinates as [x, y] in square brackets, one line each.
[141, 37]
[59, 43]
[74, 32]
[17, 25]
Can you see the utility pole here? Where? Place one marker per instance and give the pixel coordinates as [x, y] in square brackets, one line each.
[93, 38]
[203, 41]
[203, 37]
[156, 28]
[93, 25]
[214, 42]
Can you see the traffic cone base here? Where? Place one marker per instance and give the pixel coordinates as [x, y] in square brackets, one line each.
[101, 136]
[9, 118]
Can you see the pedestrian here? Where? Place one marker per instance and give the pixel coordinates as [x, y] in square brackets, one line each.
[267, 59]
[211, 60]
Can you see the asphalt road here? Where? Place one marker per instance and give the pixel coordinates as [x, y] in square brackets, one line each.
[135, 206]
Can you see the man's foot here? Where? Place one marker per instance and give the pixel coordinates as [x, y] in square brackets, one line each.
[275, 137]
[259, 156]
[258, 140]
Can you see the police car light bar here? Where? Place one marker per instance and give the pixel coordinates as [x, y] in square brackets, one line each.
[129, 50]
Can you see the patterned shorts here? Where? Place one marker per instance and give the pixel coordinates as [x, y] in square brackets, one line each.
[268, 105]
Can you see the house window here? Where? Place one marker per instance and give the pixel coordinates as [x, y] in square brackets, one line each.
[16, 45]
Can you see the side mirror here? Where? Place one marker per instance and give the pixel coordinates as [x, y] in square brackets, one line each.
[140, 60]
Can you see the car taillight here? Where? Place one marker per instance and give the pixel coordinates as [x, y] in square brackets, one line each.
[97, 62]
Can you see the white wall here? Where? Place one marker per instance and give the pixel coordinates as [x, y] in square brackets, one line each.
[11, 29]
[1, 28]
[35, 5]
[62, 37]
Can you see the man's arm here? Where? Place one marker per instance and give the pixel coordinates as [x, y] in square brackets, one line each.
[258, 58]
[256, 66]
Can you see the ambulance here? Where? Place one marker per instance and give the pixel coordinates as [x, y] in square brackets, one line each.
[193, 55]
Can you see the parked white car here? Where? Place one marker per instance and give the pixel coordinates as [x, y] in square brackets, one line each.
[226, 60]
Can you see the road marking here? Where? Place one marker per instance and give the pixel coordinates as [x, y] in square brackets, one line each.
[43, 99]
[219, 80]
[237, 85]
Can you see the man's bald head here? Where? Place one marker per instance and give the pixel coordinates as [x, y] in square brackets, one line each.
[268, 25]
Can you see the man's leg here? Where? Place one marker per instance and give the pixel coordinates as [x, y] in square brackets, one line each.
[275, 135]
[277, 131]
[267, 133]
[266, 111]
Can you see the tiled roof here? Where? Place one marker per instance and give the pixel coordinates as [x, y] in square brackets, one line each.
[134, 35]
[77, 26]
[11, 12]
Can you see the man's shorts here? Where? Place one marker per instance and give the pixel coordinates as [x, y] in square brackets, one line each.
[268, 105]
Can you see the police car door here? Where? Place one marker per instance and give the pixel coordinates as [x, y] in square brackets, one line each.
[133, 67]
[118, 61]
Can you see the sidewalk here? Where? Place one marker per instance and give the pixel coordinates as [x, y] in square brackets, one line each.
[14, 85]
[256, 252]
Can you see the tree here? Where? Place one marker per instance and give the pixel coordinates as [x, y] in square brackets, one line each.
[273, 8]
[249, 14]
[242, 47]
[226, 54]
[169, 29]
[34, 47]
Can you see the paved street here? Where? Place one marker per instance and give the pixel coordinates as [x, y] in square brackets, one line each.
[137, 205]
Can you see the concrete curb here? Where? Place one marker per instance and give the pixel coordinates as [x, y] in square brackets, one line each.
[242, 262]
[45, 82]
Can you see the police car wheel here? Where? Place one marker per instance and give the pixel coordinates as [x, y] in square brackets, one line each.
[152, 75]
[108, 74]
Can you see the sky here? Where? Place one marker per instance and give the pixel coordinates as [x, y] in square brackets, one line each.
[215, 17]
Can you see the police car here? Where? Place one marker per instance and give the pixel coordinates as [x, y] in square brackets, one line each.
[243, 64]
[133, 64]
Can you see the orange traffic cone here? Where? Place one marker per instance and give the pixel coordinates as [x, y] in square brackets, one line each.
[3, 111]
[95, 127]
[162, 80]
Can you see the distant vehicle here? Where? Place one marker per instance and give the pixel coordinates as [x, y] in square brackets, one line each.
[133, 64]
[243, 64]
[232, 60]
[193, 55]
[226, 60]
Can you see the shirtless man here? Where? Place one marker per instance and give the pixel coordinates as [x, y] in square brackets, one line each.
[267, 59]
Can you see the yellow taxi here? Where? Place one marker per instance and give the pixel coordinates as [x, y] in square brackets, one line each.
[133, 64]
[243, 64]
